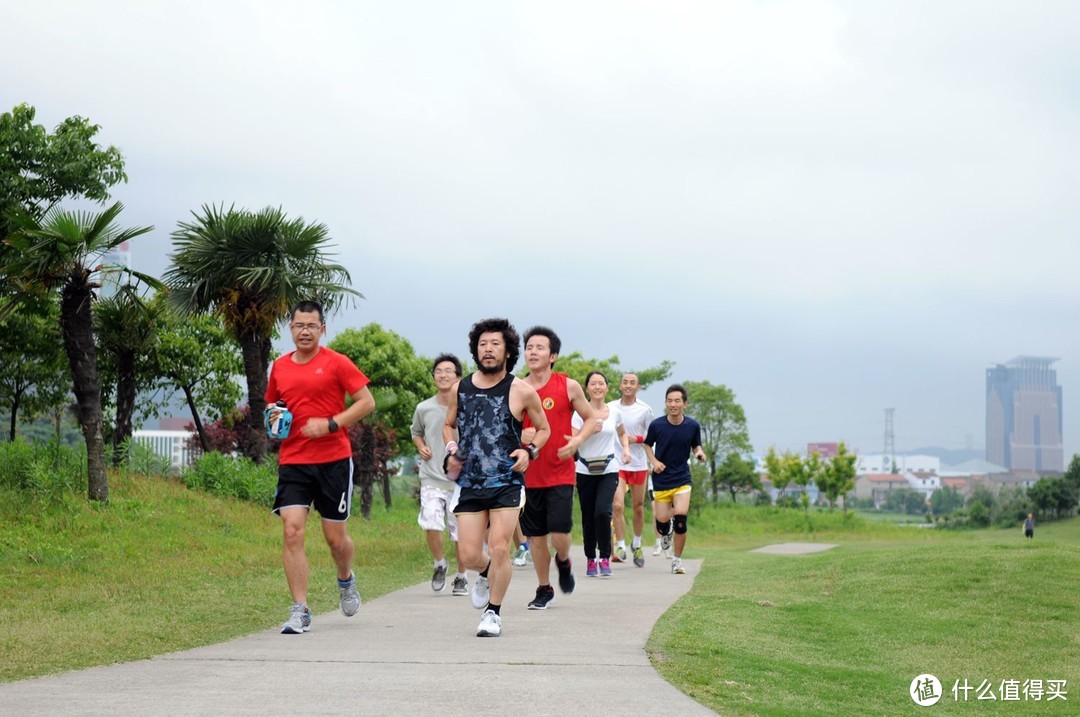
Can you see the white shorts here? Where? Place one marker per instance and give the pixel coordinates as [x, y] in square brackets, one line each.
[435, 510]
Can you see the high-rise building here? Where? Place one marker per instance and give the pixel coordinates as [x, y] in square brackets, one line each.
[1023, 415]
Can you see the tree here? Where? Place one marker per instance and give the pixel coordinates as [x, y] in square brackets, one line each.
[946, 500]
[723, 425]
[736, 474]
[399, 379]
[62, 252]
[577, 366]
[196, 356]
[778, 466]
[38, 169]
[908, 500]
[837, 475]
[36, 378]
[126, 327]
[250, 269]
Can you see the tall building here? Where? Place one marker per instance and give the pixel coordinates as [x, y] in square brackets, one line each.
[1023, 415]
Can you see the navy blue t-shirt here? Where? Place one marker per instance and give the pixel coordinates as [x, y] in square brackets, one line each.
[672, 446]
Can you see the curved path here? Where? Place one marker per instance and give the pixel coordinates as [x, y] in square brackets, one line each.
[412, 652]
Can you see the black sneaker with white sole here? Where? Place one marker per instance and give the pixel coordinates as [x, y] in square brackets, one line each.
[545, 595]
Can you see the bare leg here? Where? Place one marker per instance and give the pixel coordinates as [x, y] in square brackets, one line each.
[435, 543]
[637, 493]
[541, 555]
[293, 558]
[618, 510]
[499, 535]
[341, 547]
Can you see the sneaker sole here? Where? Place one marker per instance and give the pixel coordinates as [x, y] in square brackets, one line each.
[290, 631]
[484, 633]
[545, 606]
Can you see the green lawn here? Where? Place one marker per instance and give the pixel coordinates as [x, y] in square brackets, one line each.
[845, 631]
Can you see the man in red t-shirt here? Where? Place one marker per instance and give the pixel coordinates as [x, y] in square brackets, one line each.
[315, 460]
[550, 479]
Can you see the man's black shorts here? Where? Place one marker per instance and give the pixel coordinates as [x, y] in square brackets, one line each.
[328, 485]
[478, 500]
[548, 510]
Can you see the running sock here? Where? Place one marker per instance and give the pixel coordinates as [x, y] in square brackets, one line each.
[460, 575]
[344, 583]
[494, 608]
[441, 563]
[621, 544]
[484, 573]
[636, 543]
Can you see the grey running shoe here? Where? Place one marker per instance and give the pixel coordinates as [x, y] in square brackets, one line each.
[490, 625]
[299, 620]
[350, 597]
[460, 586]
[438, 578]
[665, 542]
[521, 557]
[480, 593]
[545, 595]
[639, 557]
[676, 567]
[566, 576]
[619, 556]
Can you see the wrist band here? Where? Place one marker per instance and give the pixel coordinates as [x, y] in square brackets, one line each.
[639, 438]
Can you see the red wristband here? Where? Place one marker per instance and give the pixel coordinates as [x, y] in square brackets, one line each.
[639, 439]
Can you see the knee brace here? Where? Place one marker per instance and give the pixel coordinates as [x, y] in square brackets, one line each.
[663, 528]
[680, 524]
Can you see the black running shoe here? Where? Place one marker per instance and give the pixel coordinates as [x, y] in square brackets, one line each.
[566, 576]
[545, 595]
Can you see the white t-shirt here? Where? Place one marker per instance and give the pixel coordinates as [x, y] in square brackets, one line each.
[604, 443]
[635, 419]
[428, 419]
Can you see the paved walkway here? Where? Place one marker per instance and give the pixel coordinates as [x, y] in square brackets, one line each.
[412, 652]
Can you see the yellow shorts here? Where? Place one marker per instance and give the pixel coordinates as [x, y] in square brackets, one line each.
[667, 496]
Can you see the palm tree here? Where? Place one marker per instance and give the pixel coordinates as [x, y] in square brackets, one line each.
[250, 269]
[62, 251]
[126, 328]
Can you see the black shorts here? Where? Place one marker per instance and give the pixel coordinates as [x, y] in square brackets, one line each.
[479, 500]
[328, 485]
[548, 510]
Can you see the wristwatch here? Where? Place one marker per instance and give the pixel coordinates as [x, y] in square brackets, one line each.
[331, 424]
[534, 452]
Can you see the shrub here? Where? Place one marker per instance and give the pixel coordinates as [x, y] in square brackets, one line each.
[239, 478]
[44, 469]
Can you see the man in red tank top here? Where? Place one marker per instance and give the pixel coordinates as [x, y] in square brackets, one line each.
[550, 479]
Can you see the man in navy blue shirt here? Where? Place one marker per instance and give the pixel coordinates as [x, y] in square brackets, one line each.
[668, 444]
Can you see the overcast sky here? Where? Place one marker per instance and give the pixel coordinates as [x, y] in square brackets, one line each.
[831, 207]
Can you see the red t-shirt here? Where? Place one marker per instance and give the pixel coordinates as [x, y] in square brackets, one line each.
[315, 389]
[548, 469]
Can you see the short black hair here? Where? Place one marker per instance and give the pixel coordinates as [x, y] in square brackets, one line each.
[677, 387]
[307, 307]
[496, 326]
[552, 337]
[442, 358]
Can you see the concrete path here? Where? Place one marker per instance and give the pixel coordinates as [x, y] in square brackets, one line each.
[412, 652]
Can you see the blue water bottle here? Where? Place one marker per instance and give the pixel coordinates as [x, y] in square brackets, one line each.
[278, 426]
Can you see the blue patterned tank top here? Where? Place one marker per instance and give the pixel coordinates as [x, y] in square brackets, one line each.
[487, 433]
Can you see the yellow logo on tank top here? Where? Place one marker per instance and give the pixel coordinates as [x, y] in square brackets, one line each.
[549, 403]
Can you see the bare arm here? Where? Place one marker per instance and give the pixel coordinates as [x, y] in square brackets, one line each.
[449, 431]
[657, 466]
[363, 404]
[624, 441]
[588, 419]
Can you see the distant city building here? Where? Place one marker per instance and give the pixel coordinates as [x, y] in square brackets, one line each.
[825, 451]
[113, 264]
[880, 463]
[1023, 415]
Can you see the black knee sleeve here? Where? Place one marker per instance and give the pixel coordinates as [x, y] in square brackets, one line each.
[680, 524]
[663, 528]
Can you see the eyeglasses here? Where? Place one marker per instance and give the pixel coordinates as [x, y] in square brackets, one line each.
[445, 372]
[300, 328]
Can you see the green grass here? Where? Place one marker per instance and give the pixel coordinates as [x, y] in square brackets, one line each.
[845, 631]
[164, 568]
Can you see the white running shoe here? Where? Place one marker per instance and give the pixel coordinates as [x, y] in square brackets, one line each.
[480, 593]
[350, 597]
[676, 567]
[490, 625]
[657, 549]
[520, 557]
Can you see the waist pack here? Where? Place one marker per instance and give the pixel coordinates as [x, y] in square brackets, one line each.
[598, 466]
